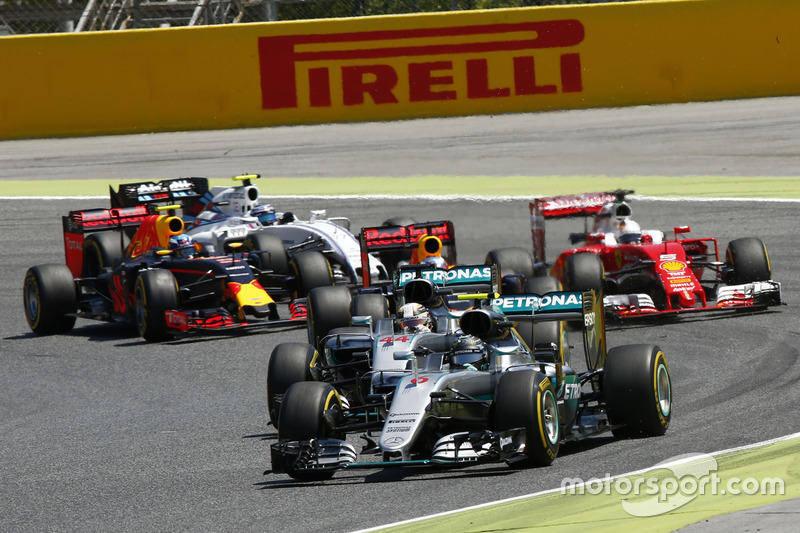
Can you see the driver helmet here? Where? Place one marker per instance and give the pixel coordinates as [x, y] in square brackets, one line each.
[182, 246]
[435, 260]
[415, 318]
[468, 352]
[629, 232]
[611, 216]
[265, 214]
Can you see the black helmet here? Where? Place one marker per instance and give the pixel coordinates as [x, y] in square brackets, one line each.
[468, 350]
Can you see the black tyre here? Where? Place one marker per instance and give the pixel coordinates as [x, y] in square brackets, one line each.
[749, 260]
[511, 261]
[289, 363]
[328, 308]
[638, 390]
[583, 272]
[101, 250]
[525, 398]
[49, 294]
[393, 258]
[269, 252]
[310, 270]
[155, 292]
[550, 332]
[373, 305]
[303, 417]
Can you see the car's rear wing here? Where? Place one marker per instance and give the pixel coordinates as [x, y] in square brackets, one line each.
[78, 224]
[575, 205]
[462, 279]
[423, 240]
[584, 308]
[182, 191]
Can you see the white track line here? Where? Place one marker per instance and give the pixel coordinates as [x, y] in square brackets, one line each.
[550, 491]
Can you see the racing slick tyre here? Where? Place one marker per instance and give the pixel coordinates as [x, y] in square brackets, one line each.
[101, 250]
[308, 411]
[637, 390]
[392, 259]
[583, 272]
[49, 295]
[526, 399]
[511, 261]
[269, 252]
[155, 292]
[372, 305]
[289, 363]
[310, 270]
[549, 332]
[748, 260]
[328, 308]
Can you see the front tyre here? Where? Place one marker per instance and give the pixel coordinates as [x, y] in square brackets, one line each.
[155, 292]
[310, 269]
[526, 399]
[583, 272]
[638, 390]
[749, 260]
[49, 295]
[289, 363]
[309, 411]
[328, 308]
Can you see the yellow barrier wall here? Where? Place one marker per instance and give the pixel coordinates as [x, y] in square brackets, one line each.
[397, 67]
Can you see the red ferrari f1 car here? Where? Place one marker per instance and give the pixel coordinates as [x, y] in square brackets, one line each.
[642, 273]
[119, 268]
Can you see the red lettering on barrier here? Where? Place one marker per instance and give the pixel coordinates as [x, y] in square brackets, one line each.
[421, 81]
[280, 55]
[355, 84]
[478, 81]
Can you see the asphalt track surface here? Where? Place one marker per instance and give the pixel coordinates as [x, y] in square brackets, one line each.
[100, 431]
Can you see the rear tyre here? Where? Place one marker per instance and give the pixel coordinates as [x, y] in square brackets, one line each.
[328, 308]
[307, 412]
[269, 251]
[525, 398]
[289, 363]
[749, 260]
[310, 270]
[372, 305]
[155, 292]
[549, 332]
[101, 250]
[638, 390]
[49, 294]
[583, 272]
[511, 261]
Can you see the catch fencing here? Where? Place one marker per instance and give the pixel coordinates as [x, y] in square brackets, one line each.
[55, 16]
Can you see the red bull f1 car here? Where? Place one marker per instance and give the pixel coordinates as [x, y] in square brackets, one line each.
[118, 268]
[644, 273]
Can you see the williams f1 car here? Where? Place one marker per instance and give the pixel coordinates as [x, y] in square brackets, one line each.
[118, 268]
[221, 216]
[473, 393]
[643, 273]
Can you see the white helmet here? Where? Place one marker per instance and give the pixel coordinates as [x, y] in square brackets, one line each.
[629, 231]
[414, 318]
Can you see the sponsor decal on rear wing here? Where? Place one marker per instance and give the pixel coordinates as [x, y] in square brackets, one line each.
[172, 191]
[384, 238]
[476, 277]
[574, 205]
[583, 307]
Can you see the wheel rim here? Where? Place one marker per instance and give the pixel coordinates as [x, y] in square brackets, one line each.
[550, 413]
[32, 301]
[663, 389]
